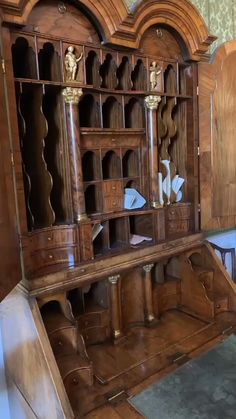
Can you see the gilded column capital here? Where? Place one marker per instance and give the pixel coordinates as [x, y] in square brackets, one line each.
[114, 279]
[152, 102]
[72, 95]
[148, 268]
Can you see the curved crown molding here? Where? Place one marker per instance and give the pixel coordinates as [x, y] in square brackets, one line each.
[122, 27]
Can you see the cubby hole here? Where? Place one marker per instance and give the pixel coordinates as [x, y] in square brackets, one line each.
[92, 196]
[91, 166]
[118, 233]
[108, 73]
[111, 165]
[49, 63]
[51, 311]
[134, 117]
[100, 243]
[172, 270]
[139, 76]
[89, 112]
[24, 59]
[123, 75]
[89, 298]
[112, 113]
[92, 65]
[170, 80]
[52, 107]
[185, 80]
[134, 184]
[39, 182]
[142, 225]
[130, 163]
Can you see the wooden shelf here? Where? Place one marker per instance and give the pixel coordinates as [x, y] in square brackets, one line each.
[90, 88]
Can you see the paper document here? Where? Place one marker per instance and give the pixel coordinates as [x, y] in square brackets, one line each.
[133, 199]
[137, 239]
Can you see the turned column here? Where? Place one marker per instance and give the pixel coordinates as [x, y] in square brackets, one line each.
[152, 103]
[115, 306]
[147, 289]
[72, 98]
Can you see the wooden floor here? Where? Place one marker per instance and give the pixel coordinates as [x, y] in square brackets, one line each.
[143, 358]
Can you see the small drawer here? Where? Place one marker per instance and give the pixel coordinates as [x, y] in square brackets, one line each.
[78, 376]
[44, 258]
[63, 342]
[90, 140]
[221, 304]
[112, 188]
[50, 238]
[95, 335]
[176, 227]
[93, 319]
[178, 213]
[113, 203]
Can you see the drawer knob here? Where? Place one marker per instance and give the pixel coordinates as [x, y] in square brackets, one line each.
[50, 256]
[114, 188]
[114, 203]
[60, 343]
[218, 306]
[113, 140]
[172, 212]
[49, 239]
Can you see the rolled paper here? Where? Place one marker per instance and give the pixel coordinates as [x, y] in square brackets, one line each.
[167, 180]
[160, 189]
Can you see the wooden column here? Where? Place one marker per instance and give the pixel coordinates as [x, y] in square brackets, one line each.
[115, 306]
[152, 103]
[72, 97]
[147, 289]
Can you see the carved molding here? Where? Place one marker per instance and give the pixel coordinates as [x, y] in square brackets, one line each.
[152, 102]
[72, 95]
[123, 28]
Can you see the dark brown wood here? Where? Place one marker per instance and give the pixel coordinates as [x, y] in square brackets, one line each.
[217, 149]
[72, 117]
[116, 313]
[9, 242]
[148, 297]
[115, 307]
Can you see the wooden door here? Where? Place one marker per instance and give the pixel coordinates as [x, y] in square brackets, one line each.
[10, 272]
[217, 133]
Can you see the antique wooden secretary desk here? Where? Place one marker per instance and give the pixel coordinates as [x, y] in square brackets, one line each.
[97, 105]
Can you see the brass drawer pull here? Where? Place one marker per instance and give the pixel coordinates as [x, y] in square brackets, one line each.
[113, 188]
[50, 256]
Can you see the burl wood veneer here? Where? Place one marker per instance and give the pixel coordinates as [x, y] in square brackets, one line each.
[96, 100]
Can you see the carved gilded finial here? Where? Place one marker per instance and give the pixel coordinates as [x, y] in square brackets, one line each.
[72, 95]
[152, 102]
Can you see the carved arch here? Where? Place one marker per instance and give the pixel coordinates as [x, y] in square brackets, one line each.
[122, 27]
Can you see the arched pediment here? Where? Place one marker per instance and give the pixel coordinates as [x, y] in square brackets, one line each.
[122, 27]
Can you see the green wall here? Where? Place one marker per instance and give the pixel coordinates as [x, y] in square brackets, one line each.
[219, 16]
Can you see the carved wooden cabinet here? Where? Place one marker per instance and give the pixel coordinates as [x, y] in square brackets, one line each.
[97, 101]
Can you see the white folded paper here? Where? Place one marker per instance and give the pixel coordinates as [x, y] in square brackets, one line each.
[133, 199]
[137, 239]
[96, 230]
